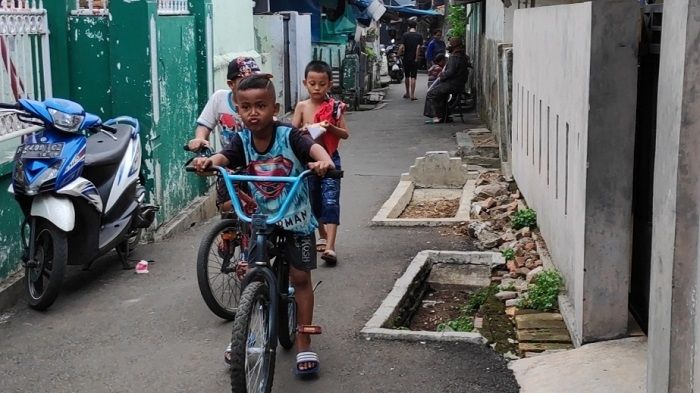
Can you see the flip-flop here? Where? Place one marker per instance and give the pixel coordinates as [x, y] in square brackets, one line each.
[330, 257]
[434, 122]
[321, 245]
[307, 357]
[227, 355]
[406, 96]
[414, 99]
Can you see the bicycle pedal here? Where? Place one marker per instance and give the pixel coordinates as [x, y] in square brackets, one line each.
[309, 329]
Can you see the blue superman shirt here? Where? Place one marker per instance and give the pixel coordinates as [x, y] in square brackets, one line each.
[287, 155]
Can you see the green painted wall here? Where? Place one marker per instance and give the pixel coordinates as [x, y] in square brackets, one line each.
[177, 87]
[10, 222]
[134, 63]
[89, 63]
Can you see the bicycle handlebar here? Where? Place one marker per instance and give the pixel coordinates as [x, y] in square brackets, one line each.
[296, 182]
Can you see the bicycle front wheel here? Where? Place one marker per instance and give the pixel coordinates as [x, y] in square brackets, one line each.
[288, 322]
[252, 348]
[218, 258]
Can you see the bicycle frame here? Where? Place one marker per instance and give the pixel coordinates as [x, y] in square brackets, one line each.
[262, 227]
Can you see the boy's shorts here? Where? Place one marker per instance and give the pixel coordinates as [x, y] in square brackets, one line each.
[299, 250]
[325, 196]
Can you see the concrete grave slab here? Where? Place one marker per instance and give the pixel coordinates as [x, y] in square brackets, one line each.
[406, 191]
[380, 325]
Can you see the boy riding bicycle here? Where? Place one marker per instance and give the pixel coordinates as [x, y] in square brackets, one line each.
[269, 148]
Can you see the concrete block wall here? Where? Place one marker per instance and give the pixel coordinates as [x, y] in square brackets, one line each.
[573, 119]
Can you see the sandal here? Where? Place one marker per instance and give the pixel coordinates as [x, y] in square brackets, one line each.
[306, 358]
[433, 121]
[406, 96]
[330, 257]
[321, 245]
[227, 355]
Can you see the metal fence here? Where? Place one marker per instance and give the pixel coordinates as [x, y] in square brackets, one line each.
[91, 7]
[25, 69]
[173, 7]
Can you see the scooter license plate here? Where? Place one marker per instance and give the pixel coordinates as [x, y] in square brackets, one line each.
[40, 150]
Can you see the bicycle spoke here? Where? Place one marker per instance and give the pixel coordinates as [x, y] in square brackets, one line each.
[256, 348]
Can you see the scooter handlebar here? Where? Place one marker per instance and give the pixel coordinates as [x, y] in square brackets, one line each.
[10, 106]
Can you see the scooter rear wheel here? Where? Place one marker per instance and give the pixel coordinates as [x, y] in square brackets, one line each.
[43, 281]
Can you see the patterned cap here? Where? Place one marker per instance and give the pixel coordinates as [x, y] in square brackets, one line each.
[241, 67]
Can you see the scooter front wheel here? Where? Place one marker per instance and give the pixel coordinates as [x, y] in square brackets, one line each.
[43, 276]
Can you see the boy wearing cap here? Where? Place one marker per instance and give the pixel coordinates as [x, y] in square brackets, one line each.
[220, 111]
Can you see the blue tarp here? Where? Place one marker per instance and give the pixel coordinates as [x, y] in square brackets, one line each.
[399, 3]
[410, 11]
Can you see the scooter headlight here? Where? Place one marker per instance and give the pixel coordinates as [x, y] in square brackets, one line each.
[66, 122]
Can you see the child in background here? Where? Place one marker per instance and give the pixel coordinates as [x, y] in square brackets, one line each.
[220, 111]
[434, 71]
[324, 112]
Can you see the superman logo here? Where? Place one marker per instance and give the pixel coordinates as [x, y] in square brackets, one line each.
[273, 167]
[228, 121]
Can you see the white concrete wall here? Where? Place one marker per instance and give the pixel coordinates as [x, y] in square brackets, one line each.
[495, 20]
[574, 95]
[674, 312]
[551, 63]
[269, 40]
[233, 35]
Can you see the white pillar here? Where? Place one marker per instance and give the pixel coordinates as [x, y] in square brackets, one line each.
[674, 324]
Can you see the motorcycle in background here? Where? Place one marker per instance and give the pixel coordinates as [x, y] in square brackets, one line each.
[395, 64]
[78, 183]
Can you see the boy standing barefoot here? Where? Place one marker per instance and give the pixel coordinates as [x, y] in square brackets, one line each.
[321, 111]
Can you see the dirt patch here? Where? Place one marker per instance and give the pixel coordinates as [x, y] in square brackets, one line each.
[438, 208]
[439, 306]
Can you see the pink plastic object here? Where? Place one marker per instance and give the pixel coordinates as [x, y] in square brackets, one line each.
[142, 267]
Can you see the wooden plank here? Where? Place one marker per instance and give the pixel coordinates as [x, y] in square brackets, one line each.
[539, 323]
[540, 347]
[542, 316]
[544, 335]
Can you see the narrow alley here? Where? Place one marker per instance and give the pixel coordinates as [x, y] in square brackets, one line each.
[115, 331]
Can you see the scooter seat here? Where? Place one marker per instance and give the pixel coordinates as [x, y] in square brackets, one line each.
[102, 149]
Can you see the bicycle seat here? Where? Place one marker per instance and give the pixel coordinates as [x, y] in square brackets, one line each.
[103, 150]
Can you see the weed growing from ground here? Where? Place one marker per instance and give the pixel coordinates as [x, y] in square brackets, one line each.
[542, 295]
[524, 218]
[508, 254]
[478, 298]
[463, 323]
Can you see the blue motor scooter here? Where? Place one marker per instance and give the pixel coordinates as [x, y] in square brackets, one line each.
[78, 183]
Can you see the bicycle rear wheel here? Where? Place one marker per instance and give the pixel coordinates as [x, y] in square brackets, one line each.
[220, 253]
[252, 349]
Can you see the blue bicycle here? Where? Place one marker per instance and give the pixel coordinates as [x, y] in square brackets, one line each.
[267, 309]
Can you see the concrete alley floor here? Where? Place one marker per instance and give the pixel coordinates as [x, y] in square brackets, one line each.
[115, 331]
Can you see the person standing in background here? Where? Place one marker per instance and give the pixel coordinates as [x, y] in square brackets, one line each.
[410, 45]
[435, 47]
